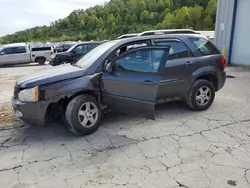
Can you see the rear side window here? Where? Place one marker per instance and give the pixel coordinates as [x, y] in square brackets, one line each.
[19, 50]
[204, 46]
[177, 49]
[41, 49]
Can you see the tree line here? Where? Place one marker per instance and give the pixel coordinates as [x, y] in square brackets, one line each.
[117, 17]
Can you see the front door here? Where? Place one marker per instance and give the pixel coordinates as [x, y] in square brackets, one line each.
[132, 85]
[7, 56]
[21, 55]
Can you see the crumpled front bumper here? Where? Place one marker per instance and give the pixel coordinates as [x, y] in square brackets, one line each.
[33, 113]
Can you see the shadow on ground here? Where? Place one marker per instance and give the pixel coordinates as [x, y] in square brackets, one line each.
[111, 122]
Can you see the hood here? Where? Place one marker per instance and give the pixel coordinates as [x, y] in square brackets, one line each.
[50, 75]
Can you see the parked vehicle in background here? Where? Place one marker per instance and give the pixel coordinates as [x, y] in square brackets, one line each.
[63, 47]
[73, 54]
[128, 35]
[129, 75]
[20, 53]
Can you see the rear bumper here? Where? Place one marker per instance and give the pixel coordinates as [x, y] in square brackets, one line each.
[31, 112]
[221, 80]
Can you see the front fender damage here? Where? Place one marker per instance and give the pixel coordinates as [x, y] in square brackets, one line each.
[55, 92]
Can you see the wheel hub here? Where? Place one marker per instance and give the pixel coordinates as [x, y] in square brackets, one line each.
[203, 95]
[88, 114]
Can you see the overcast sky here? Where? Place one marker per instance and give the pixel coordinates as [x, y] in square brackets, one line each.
[16, 15]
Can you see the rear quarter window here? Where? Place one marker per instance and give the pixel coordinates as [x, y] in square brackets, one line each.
[204, 47]
[41, 49]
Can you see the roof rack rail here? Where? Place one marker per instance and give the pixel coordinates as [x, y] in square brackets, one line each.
[128, 35]
[167, 31]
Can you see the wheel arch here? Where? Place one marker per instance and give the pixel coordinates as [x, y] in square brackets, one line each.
[206, 73]
[39, 57]
[60, 94]
[58, 108]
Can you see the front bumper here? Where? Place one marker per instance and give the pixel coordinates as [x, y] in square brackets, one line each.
[30, 112]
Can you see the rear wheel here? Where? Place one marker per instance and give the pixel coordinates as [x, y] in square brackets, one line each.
[201, 95]
[41, 61]
[83, 115]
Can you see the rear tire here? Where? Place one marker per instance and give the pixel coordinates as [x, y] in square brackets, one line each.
[201, 95]
[41, 61]
[83, 115]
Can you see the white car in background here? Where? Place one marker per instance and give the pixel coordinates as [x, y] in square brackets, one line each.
[20, 53]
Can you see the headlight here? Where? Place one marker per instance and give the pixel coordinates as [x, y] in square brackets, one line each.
[29, 95]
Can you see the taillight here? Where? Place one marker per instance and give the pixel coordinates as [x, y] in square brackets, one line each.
[223, 62]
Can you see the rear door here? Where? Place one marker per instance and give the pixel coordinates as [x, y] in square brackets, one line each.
[132, 86]
[177, 72]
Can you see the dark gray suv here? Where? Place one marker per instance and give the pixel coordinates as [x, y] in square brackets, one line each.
[128, 75]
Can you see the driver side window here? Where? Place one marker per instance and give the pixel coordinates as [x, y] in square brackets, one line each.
[141, 61]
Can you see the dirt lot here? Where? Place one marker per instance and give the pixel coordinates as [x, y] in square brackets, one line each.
[182, 148]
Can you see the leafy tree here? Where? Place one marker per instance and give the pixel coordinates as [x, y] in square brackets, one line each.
[211, 11]
[182, 18]
[145, 16]
[123, 16]
[212, 7]
[167, 23]
[195, 14]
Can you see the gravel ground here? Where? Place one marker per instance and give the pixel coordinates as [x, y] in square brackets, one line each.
[182, 148]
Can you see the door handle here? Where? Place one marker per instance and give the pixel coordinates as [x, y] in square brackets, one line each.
[148, 82]
[189, 63]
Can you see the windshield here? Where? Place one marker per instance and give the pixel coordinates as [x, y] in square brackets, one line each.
[1, 49]
[95, 54]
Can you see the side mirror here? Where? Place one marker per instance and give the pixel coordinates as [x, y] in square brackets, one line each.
[2, 53]
[108, 66]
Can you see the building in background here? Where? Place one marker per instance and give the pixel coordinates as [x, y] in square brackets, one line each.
[232, 33]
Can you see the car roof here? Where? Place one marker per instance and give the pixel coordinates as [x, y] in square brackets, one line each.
[176, 36]
[15, 45]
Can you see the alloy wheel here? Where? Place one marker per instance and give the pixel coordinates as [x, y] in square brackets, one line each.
[88, 114]
[203, 95]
